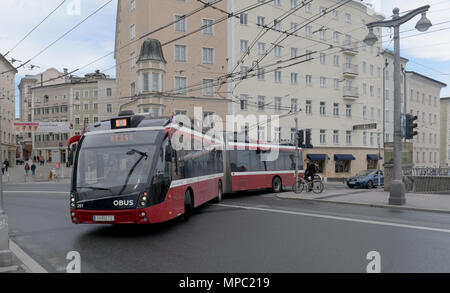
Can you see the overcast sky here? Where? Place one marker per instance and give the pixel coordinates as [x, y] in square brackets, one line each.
[428, 53]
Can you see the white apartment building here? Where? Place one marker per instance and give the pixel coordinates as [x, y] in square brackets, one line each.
[422, 100]
[7, 110]
[445, 132]
[336, 87]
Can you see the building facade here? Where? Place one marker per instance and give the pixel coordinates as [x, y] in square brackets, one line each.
[76, 102]
[424, 102]
[7, 110]
[50, 76]
[445, 132]
[336, 87]
[163, 86]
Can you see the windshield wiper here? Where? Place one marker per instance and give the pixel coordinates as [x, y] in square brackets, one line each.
[132, 152]
[135, 151]
[96, 188]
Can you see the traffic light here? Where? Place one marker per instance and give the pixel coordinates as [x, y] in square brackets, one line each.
[411, 126]
[300, 138]
[308, 143]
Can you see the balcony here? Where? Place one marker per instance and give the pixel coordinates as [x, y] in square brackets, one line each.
[351, 93]
[351, 70]
[350, 48]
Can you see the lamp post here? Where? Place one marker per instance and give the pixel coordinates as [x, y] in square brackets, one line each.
[5, 253]
[397, 191]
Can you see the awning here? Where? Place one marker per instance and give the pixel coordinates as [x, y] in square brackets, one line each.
[344, 158]
[373, 158]
[317, 157]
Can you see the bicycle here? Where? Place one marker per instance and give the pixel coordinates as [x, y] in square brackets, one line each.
[315, 185]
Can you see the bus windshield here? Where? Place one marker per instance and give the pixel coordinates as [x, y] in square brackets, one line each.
[115, 164]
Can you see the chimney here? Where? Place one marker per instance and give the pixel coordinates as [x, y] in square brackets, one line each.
[66, 75]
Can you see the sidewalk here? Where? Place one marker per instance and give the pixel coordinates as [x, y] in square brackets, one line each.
[17, 174]
[375, 198]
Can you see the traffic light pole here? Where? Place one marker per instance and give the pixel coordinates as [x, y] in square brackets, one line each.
[296, 151]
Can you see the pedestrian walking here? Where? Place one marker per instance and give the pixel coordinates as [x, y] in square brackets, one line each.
[6, 165]
[3, 169]
[33, 169]
[27, 169]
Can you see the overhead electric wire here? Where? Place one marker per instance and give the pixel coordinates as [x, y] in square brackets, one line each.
[30, 32]
[248, 8]
[66, 33]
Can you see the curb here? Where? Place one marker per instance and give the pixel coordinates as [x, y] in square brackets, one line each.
[368, 205]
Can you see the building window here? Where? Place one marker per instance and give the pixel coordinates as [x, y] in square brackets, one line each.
[244, 46]
[132, 32]
[348, 111]
[180, 25]
[323, 136]
[278, 76]
[261, 103]
[308, 109]
[348, 138]
[294, 78]
[323, 109]
[146, 82]
[342, 166]
[294, 105]
[244, 102]
[207, 55]
[277, 104]
[336, 137]
[208, 87]
[133, 60]
[109, 108]
[243, 18]
[180, 53]
[207, 27]
[180, 85]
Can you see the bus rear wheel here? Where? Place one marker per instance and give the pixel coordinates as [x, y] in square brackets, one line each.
[276, 185]
[188, 205]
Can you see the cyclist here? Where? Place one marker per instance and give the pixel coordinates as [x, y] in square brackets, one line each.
[310, 172]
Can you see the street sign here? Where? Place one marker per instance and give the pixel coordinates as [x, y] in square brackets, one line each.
[365, 126]
[43, 127]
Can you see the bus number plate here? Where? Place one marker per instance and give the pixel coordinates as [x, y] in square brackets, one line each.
[103, 218]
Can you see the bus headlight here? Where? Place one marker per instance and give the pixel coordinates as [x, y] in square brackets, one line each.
[72, 200]
[143, 199]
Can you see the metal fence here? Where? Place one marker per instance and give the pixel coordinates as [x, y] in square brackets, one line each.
[445, 172]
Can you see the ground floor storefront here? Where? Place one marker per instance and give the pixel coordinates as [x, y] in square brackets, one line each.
[342, 163]
[9, 153]
[50, 155]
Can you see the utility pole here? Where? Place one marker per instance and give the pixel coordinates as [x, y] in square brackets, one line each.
[397, 190]
[5, 253]
[296, 151]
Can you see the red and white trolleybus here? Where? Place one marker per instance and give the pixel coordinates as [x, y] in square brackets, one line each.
[126, 171]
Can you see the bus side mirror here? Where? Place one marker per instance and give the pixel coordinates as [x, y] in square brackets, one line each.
[169, 154]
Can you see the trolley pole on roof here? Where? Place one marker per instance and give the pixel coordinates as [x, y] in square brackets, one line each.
[296, 151]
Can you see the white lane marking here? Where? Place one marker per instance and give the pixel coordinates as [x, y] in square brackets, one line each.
[381, 223]
[33, 191]
[30, 263]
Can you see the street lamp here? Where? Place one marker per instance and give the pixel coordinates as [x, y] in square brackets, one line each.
[397, 190]
[5, 253]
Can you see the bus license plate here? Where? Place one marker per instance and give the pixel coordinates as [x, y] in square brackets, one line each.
[103, 218]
